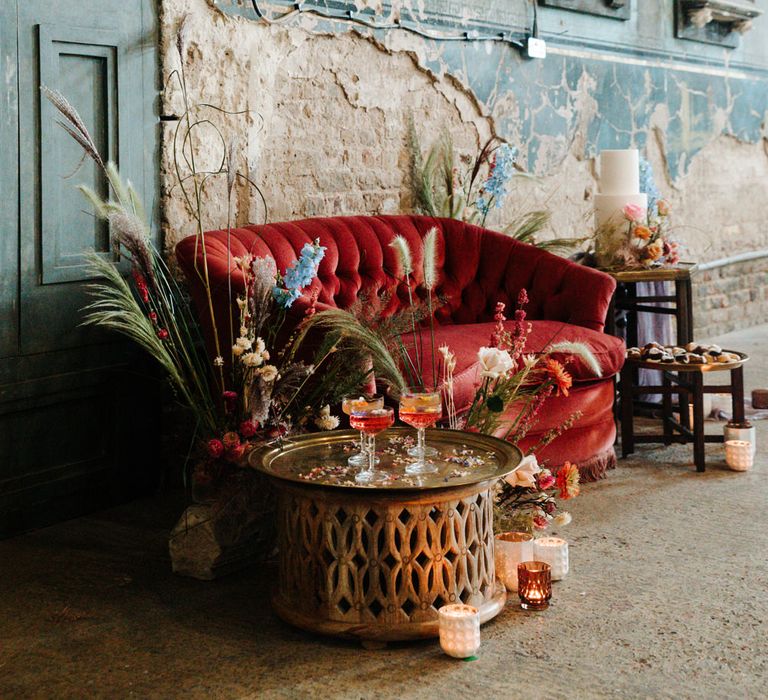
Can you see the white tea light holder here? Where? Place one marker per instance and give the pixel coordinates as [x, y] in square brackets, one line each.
[511, 548]
[553, 551]
[738, 455]
[459, 630]
[741, 431]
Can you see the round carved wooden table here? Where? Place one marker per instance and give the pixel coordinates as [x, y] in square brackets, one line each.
[376, 563]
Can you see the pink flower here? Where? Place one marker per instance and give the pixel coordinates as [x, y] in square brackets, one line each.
[248, 428]
[546, 480]
[634, 212]
[540, 522]
[522, 297]
[215, 448]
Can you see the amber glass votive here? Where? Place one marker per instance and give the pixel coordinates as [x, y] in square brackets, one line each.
[534, 584]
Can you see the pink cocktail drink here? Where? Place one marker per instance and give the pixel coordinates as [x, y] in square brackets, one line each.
[360, 403]
[420, 408]
[371, 422]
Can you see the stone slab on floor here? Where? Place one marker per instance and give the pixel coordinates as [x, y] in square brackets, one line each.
[667, 598]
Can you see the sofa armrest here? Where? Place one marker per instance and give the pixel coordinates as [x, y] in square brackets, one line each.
[559, 289]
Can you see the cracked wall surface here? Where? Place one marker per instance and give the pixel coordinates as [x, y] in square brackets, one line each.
[328, 109]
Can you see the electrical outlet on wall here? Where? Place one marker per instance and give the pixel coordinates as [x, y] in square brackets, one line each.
[536, 48]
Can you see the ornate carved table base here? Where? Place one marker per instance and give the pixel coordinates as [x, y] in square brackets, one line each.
[359, 567]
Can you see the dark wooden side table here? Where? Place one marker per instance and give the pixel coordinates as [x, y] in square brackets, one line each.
[378, 562]
[679, 304]
[687, 382]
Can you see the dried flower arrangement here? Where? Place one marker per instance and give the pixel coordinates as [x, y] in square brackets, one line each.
[513, 387]
[641, 242]
[470, 188]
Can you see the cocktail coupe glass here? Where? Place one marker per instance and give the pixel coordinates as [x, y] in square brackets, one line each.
[420, 408]
[362, 402]
[371, 421]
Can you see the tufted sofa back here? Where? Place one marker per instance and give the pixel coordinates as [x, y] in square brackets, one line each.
[476, 267]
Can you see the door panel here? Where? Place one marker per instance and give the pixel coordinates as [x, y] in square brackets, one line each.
[90, 50]
[87, 73]
[9, 180]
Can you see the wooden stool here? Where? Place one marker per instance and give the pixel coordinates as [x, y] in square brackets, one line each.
[687, 382]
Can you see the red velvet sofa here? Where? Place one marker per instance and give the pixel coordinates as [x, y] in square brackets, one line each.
[477, 268]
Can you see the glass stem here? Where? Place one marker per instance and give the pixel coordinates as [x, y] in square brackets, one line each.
[420, 444]
[362, 442]
[371, 453]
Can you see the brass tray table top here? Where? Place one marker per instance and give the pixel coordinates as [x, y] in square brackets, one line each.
[320, 459]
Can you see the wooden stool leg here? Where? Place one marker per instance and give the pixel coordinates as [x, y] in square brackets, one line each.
[666, 408]
[697, 382]
[627, 411]
[737, 395]
[683, 405]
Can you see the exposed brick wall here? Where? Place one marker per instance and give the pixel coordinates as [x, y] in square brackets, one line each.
[731, 297]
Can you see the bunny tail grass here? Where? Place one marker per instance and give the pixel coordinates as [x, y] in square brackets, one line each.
[580, 350]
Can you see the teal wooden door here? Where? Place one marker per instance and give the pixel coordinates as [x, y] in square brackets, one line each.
[74, 402]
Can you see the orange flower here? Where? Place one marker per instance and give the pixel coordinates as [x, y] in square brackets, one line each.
[567, 481]
[642, 232]
[559, 376]
[663, 207]
[655, 250]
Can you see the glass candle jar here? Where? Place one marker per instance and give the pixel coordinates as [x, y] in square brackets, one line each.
[534, 585]
[553, 551]
[738, 455]
[511, 548]
[741, 431]
[459, 630]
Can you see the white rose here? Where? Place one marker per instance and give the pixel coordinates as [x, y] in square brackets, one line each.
[260, 348]
[525, 474]
[268, 373]
[252, 359]
[494, 362]
[562, 519]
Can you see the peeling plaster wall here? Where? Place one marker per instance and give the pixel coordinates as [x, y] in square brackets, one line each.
[329, 108]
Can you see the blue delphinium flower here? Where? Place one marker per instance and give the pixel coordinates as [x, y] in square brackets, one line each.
[300, 274]
[494, 189]
[648, 186]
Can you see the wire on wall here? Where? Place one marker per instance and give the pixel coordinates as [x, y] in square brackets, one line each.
[353, 17]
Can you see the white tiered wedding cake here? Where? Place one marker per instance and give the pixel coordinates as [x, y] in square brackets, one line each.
[619, 185]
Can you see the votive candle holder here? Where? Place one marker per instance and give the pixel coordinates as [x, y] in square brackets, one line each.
[534, 585]
[511, 548]
[741, 431]
[553, 551]
[459, 630]
[738, 455]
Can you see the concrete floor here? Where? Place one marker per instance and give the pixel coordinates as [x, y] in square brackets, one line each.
[667, 598]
